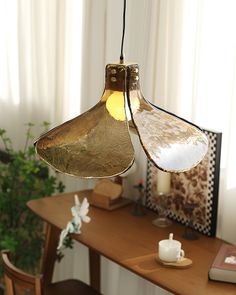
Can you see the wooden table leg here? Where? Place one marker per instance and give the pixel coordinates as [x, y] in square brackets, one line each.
[94, 269]
[50, 251]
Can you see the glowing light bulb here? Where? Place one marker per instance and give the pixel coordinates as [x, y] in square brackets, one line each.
[115, 105]
[117, 108]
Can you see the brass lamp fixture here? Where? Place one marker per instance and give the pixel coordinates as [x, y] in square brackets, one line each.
[97, 143]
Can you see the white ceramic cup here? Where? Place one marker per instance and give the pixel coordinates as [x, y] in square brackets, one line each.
[170, 250]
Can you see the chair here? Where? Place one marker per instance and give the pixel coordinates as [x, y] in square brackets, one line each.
[41, 284]
[13, 275]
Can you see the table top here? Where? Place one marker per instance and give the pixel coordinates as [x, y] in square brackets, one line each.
[132, 242]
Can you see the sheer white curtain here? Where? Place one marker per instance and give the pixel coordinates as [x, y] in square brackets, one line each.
[187, 56]
[40, 74]
[40, 66]
[196, 78]
[28, 61]
[40, 62]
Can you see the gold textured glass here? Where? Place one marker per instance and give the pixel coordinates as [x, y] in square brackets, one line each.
[97, 143]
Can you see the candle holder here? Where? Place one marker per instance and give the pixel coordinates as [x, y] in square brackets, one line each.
[189, 233]
[162, 202]
[138, 205]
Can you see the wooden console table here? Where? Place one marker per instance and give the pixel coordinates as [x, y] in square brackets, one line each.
[132, 243]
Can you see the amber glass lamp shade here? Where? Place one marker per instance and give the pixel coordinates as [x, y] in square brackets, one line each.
[97, 143]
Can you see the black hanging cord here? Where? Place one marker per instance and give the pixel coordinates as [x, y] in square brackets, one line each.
[123, 34]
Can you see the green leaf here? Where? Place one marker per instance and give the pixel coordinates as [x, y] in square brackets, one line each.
[23, 178]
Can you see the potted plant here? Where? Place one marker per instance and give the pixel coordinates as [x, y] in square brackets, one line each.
[23, 177]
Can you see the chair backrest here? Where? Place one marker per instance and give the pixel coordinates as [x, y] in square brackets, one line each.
[14, 276]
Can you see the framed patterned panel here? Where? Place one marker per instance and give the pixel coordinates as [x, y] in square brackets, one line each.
[198, 186]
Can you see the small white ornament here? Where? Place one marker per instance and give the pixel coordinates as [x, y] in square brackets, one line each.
[79, 213]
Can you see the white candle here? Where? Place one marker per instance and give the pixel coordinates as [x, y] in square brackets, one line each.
[163, 182]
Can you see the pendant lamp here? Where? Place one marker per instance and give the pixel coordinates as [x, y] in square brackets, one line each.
[97, 143]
